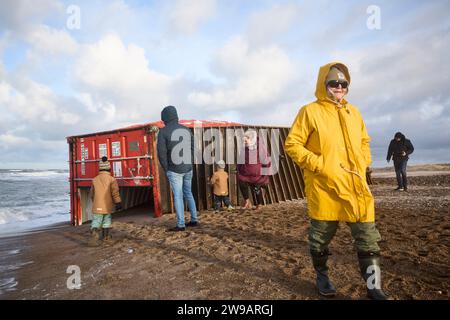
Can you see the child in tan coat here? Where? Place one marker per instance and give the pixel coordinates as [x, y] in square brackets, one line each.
[220, 182]
[105, 200]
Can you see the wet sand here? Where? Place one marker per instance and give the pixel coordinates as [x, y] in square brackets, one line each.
[238, 256]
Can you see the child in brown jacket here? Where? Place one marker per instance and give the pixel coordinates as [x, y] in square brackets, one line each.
[220, 182]
[105, 200]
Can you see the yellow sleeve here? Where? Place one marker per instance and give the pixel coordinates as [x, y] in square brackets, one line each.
[365, 146]
[296, 141]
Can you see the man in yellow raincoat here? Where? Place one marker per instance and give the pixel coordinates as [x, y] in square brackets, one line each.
[329, 140]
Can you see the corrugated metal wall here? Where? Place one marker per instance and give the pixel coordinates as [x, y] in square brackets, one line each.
[286, 185]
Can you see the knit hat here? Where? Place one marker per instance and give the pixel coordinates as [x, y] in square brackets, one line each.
[335, 74]
[104, 165]
[221, 164]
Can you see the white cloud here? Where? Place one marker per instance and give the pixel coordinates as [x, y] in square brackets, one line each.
[187, 15]
[99, 18]
[8, 141]
[115, 74]
[34, 102]
[430, 110]
[20, 15]
[406, 82]
[265, 26]
[54, 86]
[109, 63]
[51, 41]
[400, 75]
[254, 76]
[5, 92]
[381, 120]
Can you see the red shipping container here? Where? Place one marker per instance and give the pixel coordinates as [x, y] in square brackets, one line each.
[134, 163]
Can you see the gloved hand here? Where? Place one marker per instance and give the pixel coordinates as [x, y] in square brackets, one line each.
[118, 206]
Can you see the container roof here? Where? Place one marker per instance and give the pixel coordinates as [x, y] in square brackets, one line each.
[160, 124]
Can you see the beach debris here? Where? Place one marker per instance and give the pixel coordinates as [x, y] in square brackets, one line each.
[130, 250]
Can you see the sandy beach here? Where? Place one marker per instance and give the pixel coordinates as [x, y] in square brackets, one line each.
[238, 256]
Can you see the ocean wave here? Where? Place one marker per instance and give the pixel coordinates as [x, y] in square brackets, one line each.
[8, 215]
[22, 175]
[38, 173]
[13, 215]
[8, 284]
[31, 198]
[35, 224]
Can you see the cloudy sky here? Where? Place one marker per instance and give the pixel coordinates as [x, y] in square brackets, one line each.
[74, 67]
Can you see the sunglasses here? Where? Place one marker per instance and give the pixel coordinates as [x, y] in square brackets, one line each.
[336, 83]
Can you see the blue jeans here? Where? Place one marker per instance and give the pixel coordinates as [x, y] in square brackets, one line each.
[181, 184]
[400, 171]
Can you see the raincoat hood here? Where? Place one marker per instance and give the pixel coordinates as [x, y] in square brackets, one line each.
[321, 90]
[400, 135]
[169, 114]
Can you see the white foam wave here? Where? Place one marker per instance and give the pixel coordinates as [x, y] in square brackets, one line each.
[16, 215]
[33, 198]
[25, 175]
[8, 284]
[30, 225]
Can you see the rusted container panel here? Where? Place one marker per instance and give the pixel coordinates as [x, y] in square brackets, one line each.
[133, 156]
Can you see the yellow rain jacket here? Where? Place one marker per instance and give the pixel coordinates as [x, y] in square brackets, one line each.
[330, 142]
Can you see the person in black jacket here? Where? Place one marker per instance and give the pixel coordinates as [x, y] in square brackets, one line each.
[399, 150]
[176, 154]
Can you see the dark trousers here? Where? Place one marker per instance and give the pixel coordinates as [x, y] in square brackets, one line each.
[365, 234]
[400, 171]
[256, 190]
[218, 201]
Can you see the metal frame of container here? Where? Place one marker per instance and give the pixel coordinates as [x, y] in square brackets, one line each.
[133, 156]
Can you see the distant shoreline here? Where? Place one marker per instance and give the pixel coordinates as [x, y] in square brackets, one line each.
[412, 167]
[441, 167]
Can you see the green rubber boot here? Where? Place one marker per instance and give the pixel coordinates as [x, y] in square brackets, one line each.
[324, 285]
[369, 264]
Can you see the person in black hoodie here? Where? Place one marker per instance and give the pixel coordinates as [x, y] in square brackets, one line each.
[176, 154]
[399, 150]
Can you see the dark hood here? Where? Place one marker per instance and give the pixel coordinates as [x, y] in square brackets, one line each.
[399, 135]
[169, 114]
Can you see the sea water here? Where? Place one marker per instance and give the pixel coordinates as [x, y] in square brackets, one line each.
[31, 199]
